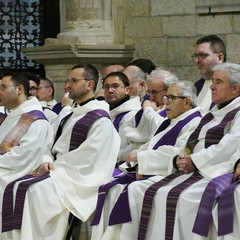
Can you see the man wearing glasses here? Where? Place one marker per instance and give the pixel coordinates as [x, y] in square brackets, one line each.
[122, 107]
[210, 50]
[81, 158]
[25, 131]
[153, 158]
[153, 111]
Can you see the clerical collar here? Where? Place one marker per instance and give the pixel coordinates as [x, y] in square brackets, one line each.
[119, 103]
[83, 103]
[222, 105]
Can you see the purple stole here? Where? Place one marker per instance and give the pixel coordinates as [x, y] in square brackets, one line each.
[12, 218]
[138, 116]
[213, 136]
[118, 119]
[2, 117]
[170, 137]
[118, 215]
[15, 134]
[222, 188]
[199, 85]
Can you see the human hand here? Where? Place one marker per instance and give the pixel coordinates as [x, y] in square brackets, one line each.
[236, 174]
[66, 100]
[42, 169]
[148, 103]
[132, 157]
[185, 164]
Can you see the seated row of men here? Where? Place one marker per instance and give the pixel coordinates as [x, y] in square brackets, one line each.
[172, 151]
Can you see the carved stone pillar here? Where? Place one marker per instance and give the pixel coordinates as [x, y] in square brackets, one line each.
[91, 32]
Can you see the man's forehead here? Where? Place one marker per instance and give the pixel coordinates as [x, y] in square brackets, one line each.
[77, 72]
[173, 89]
[6, 79]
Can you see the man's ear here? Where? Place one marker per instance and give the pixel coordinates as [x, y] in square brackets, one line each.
[220, 57]
[20, 89]
[188, 103]
[90, 84]
[142, 84]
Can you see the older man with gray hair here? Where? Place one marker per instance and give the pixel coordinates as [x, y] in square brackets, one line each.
[176, 198]
[153, 158]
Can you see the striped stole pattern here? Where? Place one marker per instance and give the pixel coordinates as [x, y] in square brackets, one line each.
[13, 219]
[102, 192]
[211, 193]
[15, 135]
[148, 201]
[214, 134]
[172, 200]
[226, 210]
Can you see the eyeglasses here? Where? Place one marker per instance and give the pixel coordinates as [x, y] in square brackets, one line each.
[200, 56]
[171, 98]
[154, 92]
[113, 86]
[4, 86]
[74, 80]
[33, 89]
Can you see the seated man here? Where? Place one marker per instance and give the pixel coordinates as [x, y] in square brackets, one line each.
[220, 202]
[45, 93]
[206, 156]
[33, 92]
[82, 158]
[122, 108]
[155, 157]
[25, 131]
[153, 112]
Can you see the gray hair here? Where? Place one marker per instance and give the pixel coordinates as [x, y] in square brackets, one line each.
[138, 75]
[232, 68]
[168, 77]
[188, 90]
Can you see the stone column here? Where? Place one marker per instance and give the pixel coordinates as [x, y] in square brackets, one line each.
[91, 32]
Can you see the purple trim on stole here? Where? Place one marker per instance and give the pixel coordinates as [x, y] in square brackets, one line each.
[118, 119]
[57, 108]
[79, 135]
[204, 214]
[138, 115]
[168, 139]
[82, 126]
[199, 85]
[15, 134]
[215, 134]
[103, 190]
[226, 210]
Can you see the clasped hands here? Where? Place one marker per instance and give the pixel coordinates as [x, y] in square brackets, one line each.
[42, 169]
[185, 164]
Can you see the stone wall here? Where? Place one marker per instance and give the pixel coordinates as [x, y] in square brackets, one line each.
[166, 31]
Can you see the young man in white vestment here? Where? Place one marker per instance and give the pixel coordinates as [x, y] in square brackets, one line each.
[214, 141]
[210, 50]
[122, 108]
[75, 173]
[153, 158]
[25, 131]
